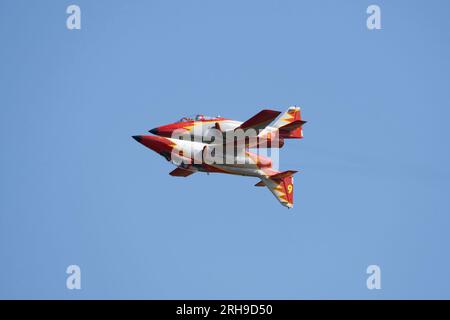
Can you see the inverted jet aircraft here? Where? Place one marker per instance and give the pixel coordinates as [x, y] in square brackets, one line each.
[195, 155]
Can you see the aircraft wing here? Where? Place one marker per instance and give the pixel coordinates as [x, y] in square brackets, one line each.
[259, 121]
[180, 172]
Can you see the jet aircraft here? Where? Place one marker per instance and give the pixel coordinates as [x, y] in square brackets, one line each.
[191, 153]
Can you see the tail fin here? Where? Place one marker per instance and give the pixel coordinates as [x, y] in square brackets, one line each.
[282, 186]
[290, 124]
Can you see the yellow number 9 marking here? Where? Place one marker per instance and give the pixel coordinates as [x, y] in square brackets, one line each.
[290, 188]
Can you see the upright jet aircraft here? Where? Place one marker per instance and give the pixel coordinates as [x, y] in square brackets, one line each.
[288, 126]
[195, 155]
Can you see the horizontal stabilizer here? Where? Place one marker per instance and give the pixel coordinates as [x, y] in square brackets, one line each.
[260, 184]
[293, 125]
[180, 172]
[290, 124]
[292, 130]
[283, 174]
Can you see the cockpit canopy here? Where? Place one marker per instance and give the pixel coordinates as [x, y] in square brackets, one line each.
[198, 117]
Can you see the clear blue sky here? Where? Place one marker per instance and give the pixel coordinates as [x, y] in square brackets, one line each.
[77, 189]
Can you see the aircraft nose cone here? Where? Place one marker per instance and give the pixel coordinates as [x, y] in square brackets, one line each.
[156, 143]
[137, 138]
[154, 131]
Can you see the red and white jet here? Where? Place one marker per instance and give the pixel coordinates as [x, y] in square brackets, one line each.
[191, 153]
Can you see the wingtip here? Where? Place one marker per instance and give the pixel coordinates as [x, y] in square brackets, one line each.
[271, 111]
[137, 138]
